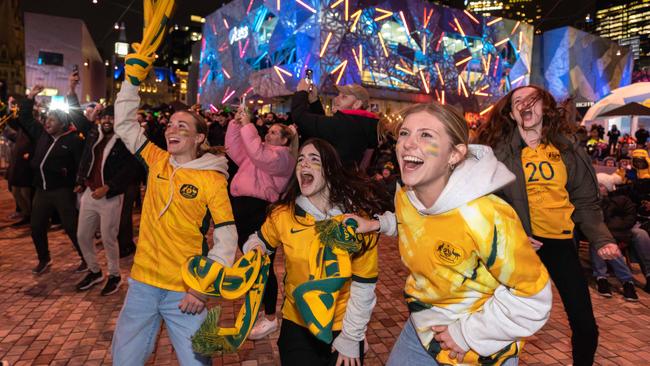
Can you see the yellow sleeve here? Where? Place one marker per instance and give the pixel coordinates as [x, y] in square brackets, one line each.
[507, 253]
[219, 203]
[149, 154]
[365, 268]
[269, 233]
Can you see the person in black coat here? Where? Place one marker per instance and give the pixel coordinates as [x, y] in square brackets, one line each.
[351, 130]
[19, 173]
[106, 170]
[57, 150]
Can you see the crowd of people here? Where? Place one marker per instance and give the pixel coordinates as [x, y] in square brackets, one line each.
[483, 229]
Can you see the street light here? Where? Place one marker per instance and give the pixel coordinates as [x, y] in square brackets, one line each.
[116, 26]
[106, 63]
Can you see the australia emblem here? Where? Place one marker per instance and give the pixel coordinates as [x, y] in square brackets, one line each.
[448, 253]
[189, 191]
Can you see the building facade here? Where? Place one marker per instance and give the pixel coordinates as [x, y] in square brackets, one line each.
[53, 45]
[411, 51]
[12, 49]
[628, 23]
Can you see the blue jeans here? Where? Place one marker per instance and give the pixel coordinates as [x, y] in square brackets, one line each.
[620, 268]
[641, 243]
[139, 323]
[408, 351]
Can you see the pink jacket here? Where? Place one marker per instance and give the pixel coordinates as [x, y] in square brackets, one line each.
[264, 170]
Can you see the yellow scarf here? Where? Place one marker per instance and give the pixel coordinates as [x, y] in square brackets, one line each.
[156, 15]
[247, 277]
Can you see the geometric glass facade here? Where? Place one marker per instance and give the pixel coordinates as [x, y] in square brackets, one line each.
[412, 47]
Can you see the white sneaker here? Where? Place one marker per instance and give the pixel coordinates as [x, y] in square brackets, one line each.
[262, 328]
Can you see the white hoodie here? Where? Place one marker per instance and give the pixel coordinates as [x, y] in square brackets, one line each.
[503, 318]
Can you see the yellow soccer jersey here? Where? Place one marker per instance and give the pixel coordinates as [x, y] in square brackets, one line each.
[295, 233]
[166, 242]
[458, 258]
[548, 200]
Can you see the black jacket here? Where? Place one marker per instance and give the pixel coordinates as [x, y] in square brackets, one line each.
[19, 173]
[620, 216]
[55, 160]
[120, 168]
[351, 135]
[582, 187]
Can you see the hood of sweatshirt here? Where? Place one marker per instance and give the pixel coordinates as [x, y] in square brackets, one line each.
[479, 175]
[205, 162]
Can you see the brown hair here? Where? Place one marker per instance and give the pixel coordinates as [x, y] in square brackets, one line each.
[348, 191]
[455, 124]
[202, 127]
[500, 126]
[285, 131]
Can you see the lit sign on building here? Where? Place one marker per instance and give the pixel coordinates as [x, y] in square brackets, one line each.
[238, 33]
[121, 48]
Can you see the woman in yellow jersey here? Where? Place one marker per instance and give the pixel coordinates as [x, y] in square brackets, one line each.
[329, 290]
[555, 189]
[475, 286]
[186, 189]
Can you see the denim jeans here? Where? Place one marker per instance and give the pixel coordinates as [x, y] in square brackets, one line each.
[409, 351]
[641, 243]
[139, 323]
[620, 268]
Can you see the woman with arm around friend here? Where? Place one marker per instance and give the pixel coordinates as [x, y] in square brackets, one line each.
[555, 190]
[475, 286]
[331, 272]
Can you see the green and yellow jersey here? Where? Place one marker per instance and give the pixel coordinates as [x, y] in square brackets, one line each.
[296, 233]
[176, 214]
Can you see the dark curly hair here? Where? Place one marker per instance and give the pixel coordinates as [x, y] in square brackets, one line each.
[347, 190]
[500, 126]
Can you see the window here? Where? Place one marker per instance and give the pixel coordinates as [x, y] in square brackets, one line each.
[50, 58]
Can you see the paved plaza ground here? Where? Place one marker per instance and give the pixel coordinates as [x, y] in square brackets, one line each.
[44, 321]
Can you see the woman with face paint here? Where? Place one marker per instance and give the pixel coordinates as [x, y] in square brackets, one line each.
[186, 190]
[555, 190]
[330, 271]
[475, 286]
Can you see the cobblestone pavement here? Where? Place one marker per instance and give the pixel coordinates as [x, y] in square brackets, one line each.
[43, 320]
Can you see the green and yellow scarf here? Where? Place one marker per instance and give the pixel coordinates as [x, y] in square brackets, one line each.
[247, 277]
[330, 267]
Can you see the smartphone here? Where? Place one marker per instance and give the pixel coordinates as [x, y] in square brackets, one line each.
[75, 68]
[309, 75]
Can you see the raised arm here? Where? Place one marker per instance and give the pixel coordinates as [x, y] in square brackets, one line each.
[126, 124]
[26, 119]
[234, 144]
[271, 159]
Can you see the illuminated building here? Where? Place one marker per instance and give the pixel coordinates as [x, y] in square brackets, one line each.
[12, 49]
[529, 11]
[627, 22]
[411, 51]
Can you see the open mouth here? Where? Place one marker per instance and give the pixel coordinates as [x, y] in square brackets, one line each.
[412, 162]
[173, 141]
[306, 179]
[526, 114]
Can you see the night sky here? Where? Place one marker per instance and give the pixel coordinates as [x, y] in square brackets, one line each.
[101, 17]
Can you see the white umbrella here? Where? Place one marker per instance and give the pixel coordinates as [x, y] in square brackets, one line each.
[637, 92]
